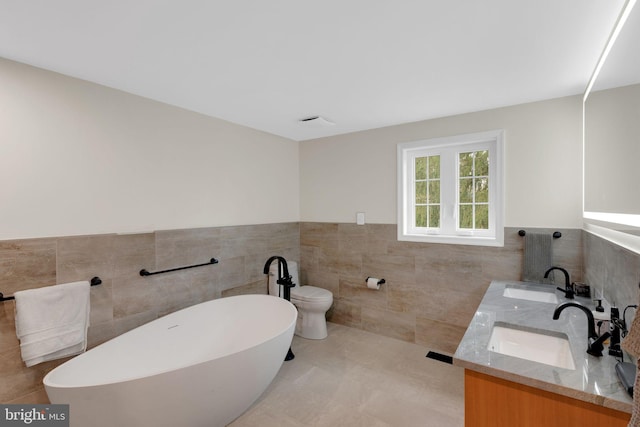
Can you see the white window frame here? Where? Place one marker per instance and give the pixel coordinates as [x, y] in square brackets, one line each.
[448, 148]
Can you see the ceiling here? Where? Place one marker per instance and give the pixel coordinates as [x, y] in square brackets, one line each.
[622, 65]
[360, 64]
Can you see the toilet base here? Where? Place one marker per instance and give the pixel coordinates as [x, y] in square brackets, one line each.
[311, 326]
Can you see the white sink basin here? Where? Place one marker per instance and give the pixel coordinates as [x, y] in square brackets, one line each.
[548, 347]
[530, 294]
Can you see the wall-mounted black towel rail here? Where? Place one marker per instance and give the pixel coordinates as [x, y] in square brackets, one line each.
[95, 281]
[556, 234]
[144, 272]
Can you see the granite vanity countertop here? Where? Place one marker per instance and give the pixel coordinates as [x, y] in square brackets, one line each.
[593, 380]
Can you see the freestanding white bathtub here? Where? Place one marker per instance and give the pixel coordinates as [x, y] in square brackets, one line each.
[201, 366]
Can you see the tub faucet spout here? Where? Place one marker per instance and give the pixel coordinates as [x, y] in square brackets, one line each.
[594, 342]
[282, 263]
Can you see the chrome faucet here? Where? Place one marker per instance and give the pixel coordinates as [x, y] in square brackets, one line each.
[568, 288]
[594, 342]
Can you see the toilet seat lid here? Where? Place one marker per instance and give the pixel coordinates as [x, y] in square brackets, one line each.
[310, 293]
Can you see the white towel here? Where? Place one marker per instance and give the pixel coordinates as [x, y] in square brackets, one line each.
[52, 322]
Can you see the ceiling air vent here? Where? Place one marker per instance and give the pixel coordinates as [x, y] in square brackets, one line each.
[315, 121]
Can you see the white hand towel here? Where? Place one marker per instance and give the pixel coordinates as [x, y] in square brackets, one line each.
[52, 322]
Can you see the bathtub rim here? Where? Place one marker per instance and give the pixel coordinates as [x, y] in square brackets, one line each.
[47, 380]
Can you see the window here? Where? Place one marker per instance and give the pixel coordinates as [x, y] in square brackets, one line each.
[450, 190]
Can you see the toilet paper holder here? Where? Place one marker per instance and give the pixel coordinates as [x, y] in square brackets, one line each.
[380, 281]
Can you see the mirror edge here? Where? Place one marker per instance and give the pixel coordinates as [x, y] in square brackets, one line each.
[605, 224]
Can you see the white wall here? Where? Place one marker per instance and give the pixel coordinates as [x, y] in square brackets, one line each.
[78, 158]
[342, 175]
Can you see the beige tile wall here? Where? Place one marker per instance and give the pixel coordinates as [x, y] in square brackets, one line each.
[432, 290]
[125, 299]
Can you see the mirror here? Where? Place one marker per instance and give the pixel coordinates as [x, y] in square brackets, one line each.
[612, 136]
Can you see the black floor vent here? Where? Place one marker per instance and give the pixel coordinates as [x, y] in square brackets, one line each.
[440, 357]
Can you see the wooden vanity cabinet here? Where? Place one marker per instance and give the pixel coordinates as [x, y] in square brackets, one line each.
[494, 402]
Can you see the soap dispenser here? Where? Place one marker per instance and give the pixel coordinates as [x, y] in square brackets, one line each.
[599, 315]
[599, 307]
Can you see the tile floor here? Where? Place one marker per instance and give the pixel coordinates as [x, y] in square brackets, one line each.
[356, 378]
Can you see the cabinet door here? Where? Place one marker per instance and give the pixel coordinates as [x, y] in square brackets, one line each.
[494, 402]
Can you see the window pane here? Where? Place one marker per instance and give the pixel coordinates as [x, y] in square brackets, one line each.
[482, 217]
[421, 192]
[474, 190]
[434, 216]
[434, 167]
[466, 216]
[421, 216]
[466, 164]
[466, 190]
[482, 190]
[434, 191]
[421, 168]
[482, 163]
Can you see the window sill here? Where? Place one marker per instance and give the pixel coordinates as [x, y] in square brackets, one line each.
[453, 240]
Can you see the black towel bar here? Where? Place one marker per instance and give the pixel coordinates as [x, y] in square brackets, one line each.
[556, 234]
[145, 273]
[95, 281]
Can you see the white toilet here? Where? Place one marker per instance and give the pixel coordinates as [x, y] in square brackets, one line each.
[312, 303]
